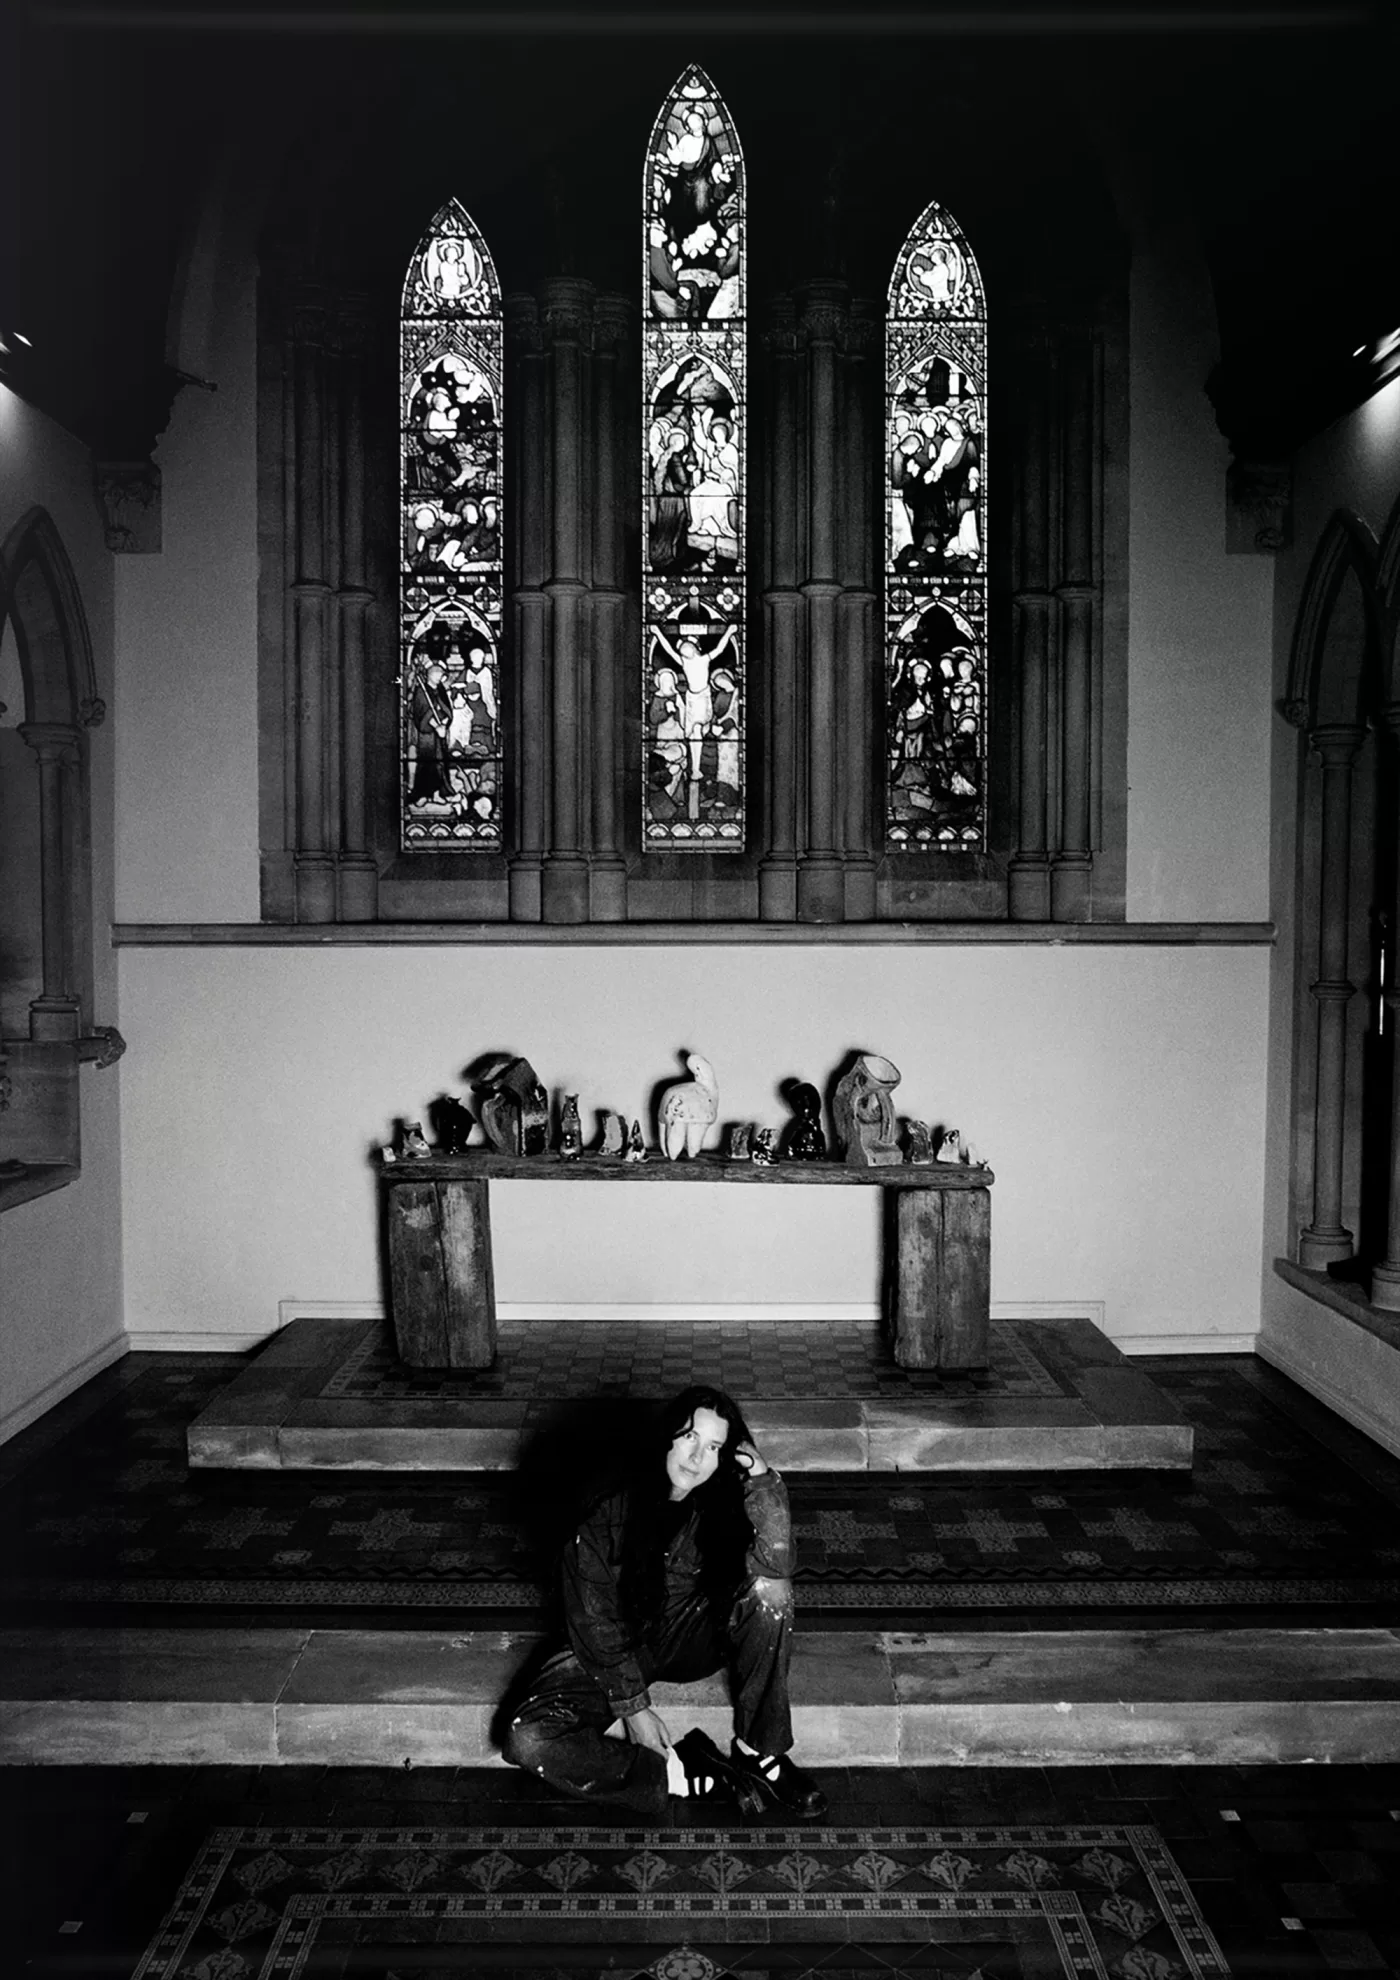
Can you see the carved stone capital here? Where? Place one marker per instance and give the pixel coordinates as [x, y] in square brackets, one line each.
[1258, 507]
[353, 329]
[522, 314]
[128, 496]
[102, 1046]
[864, 328]
[307, 315]
[92, 712]
[612, 319]
[51, 742]
[1298, 712]
[568, 310]
[780, 337]
[823, 311]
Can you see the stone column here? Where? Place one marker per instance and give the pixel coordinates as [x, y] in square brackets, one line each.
[358, 893]
[1385, 1278]
[608, 875]
[55, 1015]
[1326, 1240]
[1071, 871]
[528, 698]
[858, 645]
[782, 612]
[313, 860]
[821, 890]
[568, 322]
[1028, 875]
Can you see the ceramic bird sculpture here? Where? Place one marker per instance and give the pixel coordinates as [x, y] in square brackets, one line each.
[689, 1109]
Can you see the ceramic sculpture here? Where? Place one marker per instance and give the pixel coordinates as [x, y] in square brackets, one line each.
[805, 1140]
[452, 1125]
[614, 1135]
[765, 1147]
[688, 1110]
[736, 1148]
[636, 1150]
[515, 1112]
[414, 1144]
[920, 1143]
[570, 1130]
[864, 1113]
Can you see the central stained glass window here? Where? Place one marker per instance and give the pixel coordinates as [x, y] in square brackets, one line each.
[695, 413]
[451, 571]
[935, 544]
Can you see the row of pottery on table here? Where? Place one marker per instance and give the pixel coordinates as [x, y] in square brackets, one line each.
[515, 1120]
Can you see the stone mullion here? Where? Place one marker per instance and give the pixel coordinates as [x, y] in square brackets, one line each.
[529, 508]
[568, 314]
[55, 1014]
[1028, 875]
[608, 874]
[820, 880]
[782, 609]
[359, 878]
[1326, 1240]
[313, 863]
[1071, 873]
[1385, 1277]
[858, 647]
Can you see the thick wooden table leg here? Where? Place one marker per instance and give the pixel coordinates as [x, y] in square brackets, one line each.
[441, 1279]
[942, 1277]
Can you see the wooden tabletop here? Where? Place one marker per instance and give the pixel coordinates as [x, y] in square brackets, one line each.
[482, 1164]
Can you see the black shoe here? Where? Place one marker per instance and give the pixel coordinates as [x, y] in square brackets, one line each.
[710, 1777]
[782, 1783]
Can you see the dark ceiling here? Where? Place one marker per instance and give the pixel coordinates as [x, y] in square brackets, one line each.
[1271, 126]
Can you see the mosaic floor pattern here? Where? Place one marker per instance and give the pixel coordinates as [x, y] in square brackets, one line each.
[1105, 1899]
[109, 1513]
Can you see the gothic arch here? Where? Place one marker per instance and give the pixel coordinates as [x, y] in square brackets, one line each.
[1388, 595]
[39, 597]
[1346, 553]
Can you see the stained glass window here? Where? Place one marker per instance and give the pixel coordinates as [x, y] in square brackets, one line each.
[451, 590]
[935, 544]
[695, 410]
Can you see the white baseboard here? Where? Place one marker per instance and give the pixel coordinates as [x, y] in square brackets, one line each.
[156, 1340]
[62, 1386]
[1146, 1344]
[1361, 1417]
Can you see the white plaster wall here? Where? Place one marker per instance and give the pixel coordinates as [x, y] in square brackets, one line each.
[60, 1255]
[1117, 1092]
[1199, 644]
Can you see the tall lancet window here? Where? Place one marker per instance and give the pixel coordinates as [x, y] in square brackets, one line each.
[935, 545]
[451, 590]
[695, 414]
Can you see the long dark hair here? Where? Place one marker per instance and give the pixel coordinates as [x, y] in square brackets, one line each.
[724, 1530]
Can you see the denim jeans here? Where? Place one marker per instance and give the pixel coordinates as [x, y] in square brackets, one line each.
[559, 1730]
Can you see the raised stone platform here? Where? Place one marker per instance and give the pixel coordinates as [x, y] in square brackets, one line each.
[390, 1698]
[820, 1396]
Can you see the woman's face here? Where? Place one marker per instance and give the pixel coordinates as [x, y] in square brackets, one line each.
[694, 1452]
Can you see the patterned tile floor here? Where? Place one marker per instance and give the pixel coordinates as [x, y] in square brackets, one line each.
[778, 1361]
[1007, 1874]
[1287, 1515]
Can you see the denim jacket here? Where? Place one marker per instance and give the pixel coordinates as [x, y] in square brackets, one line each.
[600, 1637]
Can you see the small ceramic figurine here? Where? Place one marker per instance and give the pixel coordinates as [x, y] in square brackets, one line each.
[413, 1143]
[950, 1146]
[920, 1144]
[688, 1110]
[636, 1150]
[737, 1146]
[515, 1112]
[805, 1141]
[570, 1130]
[765, 1148]
[614, 1134]
[864, 1113]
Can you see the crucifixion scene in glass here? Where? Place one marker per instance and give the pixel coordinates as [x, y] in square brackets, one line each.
[695, 433]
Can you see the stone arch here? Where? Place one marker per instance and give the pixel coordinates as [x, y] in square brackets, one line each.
[51, 950]
[1341, 581]
[1388, 595]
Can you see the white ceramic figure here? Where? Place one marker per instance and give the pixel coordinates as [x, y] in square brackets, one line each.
[688, 1110]
[950, 1146]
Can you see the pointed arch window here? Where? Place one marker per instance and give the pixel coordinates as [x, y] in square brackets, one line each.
[695, 420]
[935, 795]
[451, 569]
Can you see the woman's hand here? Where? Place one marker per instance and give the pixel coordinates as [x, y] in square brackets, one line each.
[749, 1461]
[648, 1728]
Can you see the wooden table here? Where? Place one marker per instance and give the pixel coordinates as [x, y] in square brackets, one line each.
[442, 1284]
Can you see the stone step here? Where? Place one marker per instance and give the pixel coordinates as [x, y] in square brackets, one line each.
[393, 1698]
[316, 1400]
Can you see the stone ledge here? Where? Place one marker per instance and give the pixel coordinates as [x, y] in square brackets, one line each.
[360, 1698]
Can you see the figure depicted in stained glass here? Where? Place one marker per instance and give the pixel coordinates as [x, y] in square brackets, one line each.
[452, 569]
[936, 596]
[694, 411]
